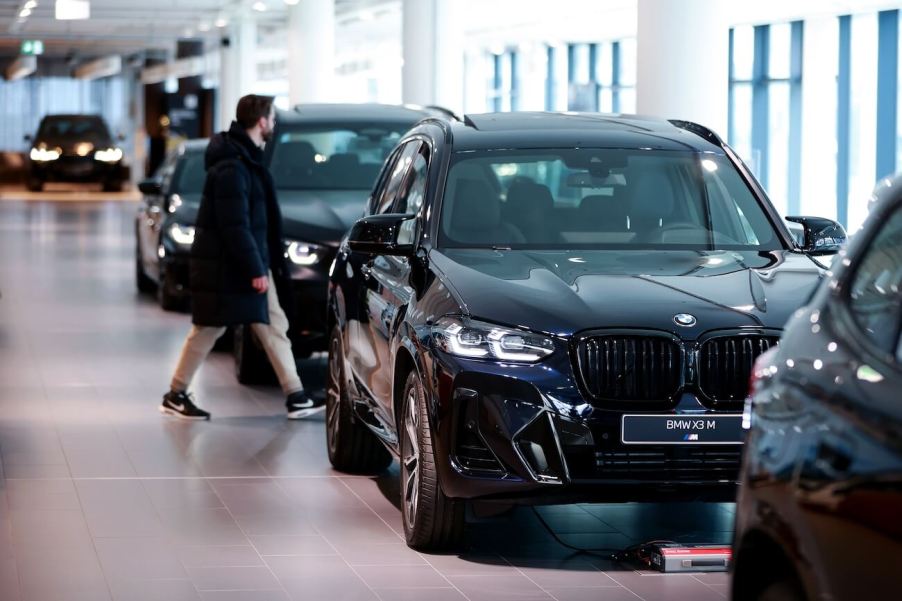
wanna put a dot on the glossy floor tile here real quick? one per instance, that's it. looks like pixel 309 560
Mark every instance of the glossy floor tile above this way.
pixel 102 498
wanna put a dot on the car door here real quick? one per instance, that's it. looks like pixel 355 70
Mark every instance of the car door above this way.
pixel 850 478
pixel 369 357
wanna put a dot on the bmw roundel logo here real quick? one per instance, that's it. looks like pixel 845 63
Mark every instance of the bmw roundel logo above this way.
pixel 684 319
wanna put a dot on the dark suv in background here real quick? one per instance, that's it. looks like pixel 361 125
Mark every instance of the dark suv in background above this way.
pixel 545 306
pixel 324 159
pixel 75 148
pixel 819 514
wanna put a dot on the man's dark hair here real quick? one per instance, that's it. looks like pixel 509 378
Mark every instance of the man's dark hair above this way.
pixel 251 108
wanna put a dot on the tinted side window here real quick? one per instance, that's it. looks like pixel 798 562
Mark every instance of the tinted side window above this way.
pixel 411 194
pixel 875 293
pixel 395 178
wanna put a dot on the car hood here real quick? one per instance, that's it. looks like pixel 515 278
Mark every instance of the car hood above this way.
pixel 562 292
pixel 321 216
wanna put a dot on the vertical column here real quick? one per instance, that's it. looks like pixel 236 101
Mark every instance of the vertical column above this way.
pixel 311 51
pixel 432 47
pixel 843 118
pixel 795 118
pixel 238 66
pixel 887 89
pixel 761 103
pixel 682 61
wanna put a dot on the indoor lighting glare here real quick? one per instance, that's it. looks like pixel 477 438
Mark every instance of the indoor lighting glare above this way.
pixel 292 2
pixel 25 12
pixel 203 26
pixel 31 4
pixel 221 22
pixel 259 7
pixel 709 165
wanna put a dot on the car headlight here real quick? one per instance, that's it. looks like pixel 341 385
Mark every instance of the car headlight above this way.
pixel 465 337
pixel 109 155
pixel 302 253
pixel 44 155
pixel 182 234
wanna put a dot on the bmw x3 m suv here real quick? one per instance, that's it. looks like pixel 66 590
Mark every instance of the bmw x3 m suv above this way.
pixel 164 224
pixel 543 307
pixel 818 512
pixel 324 159
pixel 75 148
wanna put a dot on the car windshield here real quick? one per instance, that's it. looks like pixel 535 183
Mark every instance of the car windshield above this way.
pixel 336 157
pixel 191 173
pixel 601 199
pixel 80 129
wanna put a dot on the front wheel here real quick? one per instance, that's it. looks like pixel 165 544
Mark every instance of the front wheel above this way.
pixel 432 521
pixel 351 446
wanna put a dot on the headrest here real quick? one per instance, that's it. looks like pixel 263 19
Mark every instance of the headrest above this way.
pixel 530 197
pixel 651 196
pixel 476 206
pixel 343 160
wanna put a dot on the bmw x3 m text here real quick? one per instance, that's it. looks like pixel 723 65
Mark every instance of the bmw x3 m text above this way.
pixel 547 306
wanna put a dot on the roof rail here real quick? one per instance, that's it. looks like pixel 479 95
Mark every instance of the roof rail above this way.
pixel 699 130
pixel 444 111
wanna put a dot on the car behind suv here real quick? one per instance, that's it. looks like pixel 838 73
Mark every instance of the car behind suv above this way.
pixel 545 306
pixel 75 148
pixel 818 514
pixel 324 159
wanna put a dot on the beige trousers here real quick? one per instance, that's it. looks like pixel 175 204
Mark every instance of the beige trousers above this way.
pixel 272 336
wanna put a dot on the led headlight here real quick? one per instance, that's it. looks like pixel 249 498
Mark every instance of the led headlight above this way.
pixel 44 155
pixel 465 337
pixel 182 234
pixel 109 155
pixel 302 253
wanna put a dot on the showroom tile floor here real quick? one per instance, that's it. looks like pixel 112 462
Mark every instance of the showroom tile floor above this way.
pixel 101 498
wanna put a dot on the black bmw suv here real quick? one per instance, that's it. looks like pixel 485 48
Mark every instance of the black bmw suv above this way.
pixel 75 148
pixel 818 513
pixel 556 306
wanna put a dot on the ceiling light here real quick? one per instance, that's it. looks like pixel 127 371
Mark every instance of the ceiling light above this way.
pixel 31 4
pixel 24 12
pixel 292 2
pixel 188 32
pixel 203 26
pixel 259 6
pixel 221 22
pixel 72 10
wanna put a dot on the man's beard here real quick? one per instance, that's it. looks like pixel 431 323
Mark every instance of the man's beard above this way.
pixel 266 134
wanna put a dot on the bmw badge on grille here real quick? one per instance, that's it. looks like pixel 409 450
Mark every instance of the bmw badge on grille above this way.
pixel 684 319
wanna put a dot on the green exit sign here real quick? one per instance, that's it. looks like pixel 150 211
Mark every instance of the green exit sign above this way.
pixel 32 47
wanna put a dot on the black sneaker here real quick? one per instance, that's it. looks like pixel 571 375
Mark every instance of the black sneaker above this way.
pixel 299 405
pixel 181 405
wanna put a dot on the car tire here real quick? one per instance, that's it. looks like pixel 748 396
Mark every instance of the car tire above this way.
pixel 168 300
pixel 112 186
pixel 251 363
pixel 145 284
pixel 432 521
pixel 34 184
pixel 782 590
pixel 351 446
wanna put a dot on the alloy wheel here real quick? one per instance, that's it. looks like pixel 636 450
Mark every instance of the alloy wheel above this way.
pixel 411 459
pixel 333 395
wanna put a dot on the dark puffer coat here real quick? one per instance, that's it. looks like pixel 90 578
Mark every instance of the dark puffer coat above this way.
pixel 238 234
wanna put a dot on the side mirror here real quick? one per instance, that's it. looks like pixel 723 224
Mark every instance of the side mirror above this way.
pixel 151 187
pixel 820 236
pixel 378 235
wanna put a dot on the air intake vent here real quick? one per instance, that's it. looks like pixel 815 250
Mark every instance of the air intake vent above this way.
pixel 725 365
pixel 629 368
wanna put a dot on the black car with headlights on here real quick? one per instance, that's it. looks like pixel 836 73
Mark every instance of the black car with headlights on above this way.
pixel 75 148
pixel 324 159
pixel 543 307
pixel 818 513
pixel 164 224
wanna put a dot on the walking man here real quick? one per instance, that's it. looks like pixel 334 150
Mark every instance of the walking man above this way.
pixel 236 254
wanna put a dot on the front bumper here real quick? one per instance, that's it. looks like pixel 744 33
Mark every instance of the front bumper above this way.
pixel 526 434
pixel 78 169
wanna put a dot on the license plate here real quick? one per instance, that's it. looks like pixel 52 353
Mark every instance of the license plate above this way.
pixel 681 429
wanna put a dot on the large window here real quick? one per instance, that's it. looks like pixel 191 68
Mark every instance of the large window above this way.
pixel 765 106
